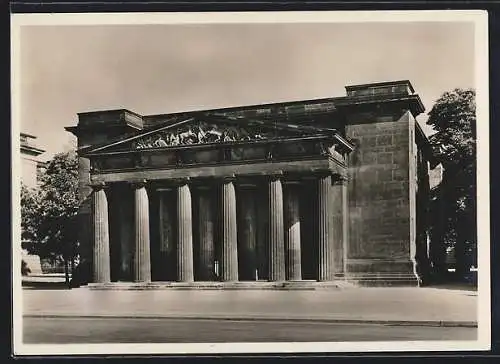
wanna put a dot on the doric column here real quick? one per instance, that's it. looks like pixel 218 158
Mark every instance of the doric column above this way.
pixel 247 229
pixel 206 239
pixel 292 231
pixel 340 223
pixel 142 255
pixel 102 272
pixel 185 272
pixel 229 232
pixel 85 218
pixel 324 261
pixel 276 233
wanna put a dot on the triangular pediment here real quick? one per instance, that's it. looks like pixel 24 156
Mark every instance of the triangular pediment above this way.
pixel 210 129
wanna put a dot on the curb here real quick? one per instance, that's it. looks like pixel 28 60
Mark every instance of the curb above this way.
pixel 427 323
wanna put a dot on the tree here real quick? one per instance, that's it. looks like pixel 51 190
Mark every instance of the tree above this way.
pixel 30 218
pixel 453 116
pixel 48 216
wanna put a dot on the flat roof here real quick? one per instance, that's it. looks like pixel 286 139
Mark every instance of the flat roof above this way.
pixel 109 111
pixel 28 135
pixel 380 84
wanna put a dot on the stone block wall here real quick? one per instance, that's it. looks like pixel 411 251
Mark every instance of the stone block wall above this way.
pixel 381 199
pixel 29 171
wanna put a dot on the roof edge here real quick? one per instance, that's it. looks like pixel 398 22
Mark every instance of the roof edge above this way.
pixel 380 84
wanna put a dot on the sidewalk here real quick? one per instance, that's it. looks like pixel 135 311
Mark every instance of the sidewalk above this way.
pixel 394 306
pixel 49 281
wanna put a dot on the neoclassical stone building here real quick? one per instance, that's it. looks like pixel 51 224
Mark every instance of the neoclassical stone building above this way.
pixel 30 162
pixel 30 165
pixel 318 190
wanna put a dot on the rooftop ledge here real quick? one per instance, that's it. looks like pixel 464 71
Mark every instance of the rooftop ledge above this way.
pixel 379 92
pixel 403 86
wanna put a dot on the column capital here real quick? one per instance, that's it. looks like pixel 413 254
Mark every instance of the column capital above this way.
pixel 273 176
pixel 179 181
pixel 322 172
pixel 97 186
pixel 136 184
pixel 228 178
pixel 339 179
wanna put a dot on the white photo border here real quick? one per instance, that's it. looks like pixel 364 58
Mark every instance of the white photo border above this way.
pixel 480 20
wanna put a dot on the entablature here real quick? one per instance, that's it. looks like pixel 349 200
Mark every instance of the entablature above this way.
pixel 242 172
pixel 237 153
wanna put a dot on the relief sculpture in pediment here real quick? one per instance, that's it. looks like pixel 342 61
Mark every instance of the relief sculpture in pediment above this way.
pixel 202 133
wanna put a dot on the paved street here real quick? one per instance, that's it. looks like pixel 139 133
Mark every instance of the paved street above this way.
pixel 165 330
pixel 176 316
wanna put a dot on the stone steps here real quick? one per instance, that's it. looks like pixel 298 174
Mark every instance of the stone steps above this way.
pixel 288 285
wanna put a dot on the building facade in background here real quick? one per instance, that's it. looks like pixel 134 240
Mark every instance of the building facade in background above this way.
pixel 30 160
pixel 319 190
pixel 30 168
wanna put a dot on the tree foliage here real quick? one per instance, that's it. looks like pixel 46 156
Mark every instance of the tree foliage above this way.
pixel 48 214
pixel 30 219
pixel 453 116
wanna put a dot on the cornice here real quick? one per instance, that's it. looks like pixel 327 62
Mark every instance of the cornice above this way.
pixel 31 150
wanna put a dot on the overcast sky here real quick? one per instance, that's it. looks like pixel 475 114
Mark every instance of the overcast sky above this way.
pixel 168 68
